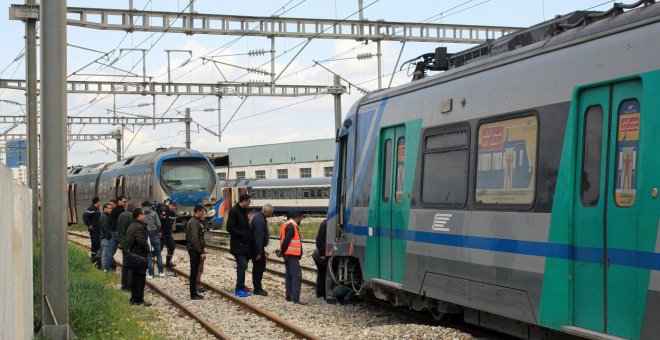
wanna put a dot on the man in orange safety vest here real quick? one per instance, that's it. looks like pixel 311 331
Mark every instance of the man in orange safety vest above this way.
pixel 291 249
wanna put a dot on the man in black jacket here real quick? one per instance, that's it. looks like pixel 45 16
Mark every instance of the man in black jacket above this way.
pixel 319 259
pixel 91 218
pixel 240 240
pixel 168 224
pixel 259 226
pixel 195 239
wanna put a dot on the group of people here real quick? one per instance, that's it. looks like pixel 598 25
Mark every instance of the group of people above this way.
pixel 131 226
pixel 145 230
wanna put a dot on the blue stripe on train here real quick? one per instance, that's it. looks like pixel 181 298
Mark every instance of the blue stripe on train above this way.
pixel 623 257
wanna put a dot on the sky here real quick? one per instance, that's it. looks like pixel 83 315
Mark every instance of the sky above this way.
pixel 255 120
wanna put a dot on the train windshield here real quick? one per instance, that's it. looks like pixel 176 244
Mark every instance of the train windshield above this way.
pixel 190 174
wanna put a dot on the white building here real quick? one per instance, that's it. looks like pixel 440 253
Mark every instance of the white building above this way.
pixel 20 174
pixel 303 159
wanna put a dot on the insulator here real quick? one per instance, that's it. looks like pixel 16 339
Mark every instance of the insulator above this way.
pixel 144 104
pixel 185 62
pixel 257 52
pixel 258 71
pixel 19 57
pixel 362 56
pixel 208 109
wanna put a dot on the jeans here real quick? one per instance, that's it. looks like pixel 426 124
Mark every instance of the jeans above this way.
pixel 292 279
pixel 155 244
pixel 241 267
pixel 110 250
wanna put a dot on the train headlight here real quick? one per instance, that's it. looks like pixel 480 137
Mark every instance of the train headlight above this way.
pixel 210 213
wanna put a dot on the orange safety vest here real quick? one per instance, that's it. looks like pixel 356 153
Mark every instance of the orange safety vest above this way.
pixel 295 247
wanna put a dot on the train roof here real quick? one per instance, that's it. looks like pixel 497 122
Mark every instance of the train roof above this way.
pixel 284 182
pixel 151 157
pixel 568 29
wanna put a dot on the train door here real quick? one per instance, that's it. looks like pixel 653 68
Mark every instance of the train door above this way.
pixel 390 208
pixel 118 187
pixel 71 211
pixel 608 286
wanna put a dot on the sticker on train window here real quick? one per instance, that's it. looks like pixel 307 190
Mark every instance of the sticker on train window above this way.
pixel 506 165
pixel 627 147
pixel 400 158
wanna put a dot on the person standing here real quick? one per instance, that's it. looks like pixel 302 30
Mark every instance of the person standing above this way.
pixel 112 222
pixel 195 245
pixel 155 232
pixel 106 236
pixel 168 222
pixel 136 242
pixel 240 241
pixel 123 222
pixel 91 218
pixel 260 234
pixel 291 249
pixel 319 259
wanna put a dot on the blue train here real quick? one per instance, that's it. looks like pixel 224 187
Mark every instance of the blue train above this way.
pixel 519 188
pixel 183 175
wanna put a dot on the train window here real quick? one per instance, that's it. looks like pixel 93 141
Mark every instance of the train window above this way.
pixel 319 193
pixel 281 193
pixel 287 193
pixel 387 171
pixel 400 157
pixel 445 165
pixel 305 193
pixel 300 193
pixel 627 150
pixel 269 193
pixel 326 192
pixel 591 156
pixel 506 166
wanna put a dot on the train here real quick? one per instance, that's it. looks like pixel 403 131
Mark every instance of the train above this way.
pixel 518 188
pixel 307 195
pixel 180 174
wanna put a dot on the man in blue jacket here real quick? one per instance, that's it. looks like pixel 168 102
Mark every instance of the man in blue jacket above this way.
pixel 260 234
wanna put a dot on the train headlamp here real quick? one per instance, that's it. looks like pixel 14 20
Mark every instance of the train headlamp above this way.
pixel 210 213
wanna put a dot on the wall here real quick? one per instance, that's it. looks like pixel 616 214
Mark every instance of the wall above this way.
pixel 15 258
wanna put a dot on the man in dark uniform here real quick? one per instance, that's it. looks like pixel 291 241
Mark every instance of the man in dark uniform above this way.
pixel 91 217
pixel 319 259
pixel 168 222
pixel 195 238
pixel 259 226
pixel 240 241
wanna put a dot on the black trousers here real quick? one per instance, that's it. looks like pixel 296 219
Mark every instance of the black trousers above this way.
pixel 137 286
pixel 195 259
pixel 95 236
pixel 168 240
pixel 126 274
pixel 258 268
pixel 321 269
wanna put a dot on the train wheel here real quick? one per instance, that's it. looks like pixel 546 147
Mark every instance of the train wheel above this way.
pixel 438 315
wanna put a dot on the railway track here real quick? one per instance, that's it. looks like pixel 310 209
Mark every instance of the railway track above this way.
pixel 269 270
pixel 281 323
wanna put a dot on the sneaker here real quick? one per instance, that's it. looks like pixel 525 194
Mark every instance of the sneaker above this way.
pixel 149 277
pixel 260 292
pixel 197 297
pixel 161 275
pixel 242 293
pixel 105 270
pixel 298 302
pixel 247 289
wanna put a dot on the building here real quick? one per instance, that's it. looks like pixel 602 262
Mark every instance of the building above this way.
pixel 303 159
pixel 16 153
pixel 20 174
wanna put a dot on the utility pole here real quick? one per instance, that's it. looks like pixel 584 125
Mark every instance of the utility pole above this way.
pixel 118 137
pixel 337 90
pixel 54 254
pixel 32 128
pixel 188 121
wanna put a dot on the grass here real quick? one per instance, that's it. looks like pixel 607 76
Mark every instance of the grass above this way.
pixel 307 230
pixel 97 309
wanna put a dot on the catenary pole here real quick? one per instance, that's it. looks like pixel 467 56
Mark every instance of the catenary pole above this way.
pixel 54 254
pixel 32 128
pixel 337 96
pixel 188 120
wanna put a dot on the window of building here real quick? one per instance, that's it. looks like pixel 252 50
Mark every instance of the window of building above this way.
pixel 445 165
pixel 327 171
pixel 506 166
pixel 305 172
pixel 260 174
pixel 282 173
pixel 222 176
pixel 240 175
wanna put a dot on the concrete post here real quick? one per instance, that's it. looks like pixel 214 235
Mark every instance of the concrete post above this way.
pixel 32 127
pixel 54 254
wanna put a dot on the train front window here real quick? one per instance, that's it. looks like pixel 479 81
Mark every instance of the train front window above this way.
pixel 180 175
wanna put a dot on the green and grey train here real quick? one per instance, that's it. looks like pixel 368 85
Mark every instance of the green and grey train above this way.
pixel 518 188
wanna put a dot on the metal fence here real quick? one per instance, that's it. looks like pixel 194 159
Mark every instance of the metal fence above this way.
pixel 15 258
